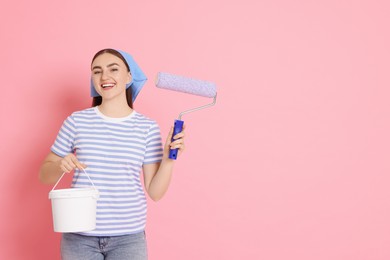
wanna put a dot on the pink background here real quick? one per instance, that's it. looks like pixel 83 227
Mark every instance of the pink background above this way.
pixel 292 162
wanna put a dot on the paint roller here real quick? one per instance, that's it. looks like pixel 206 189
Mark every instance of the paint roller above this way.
pixel 186 85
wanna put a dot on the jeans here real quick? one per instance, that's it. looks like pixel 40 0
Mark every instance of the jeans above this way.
pixel 79 247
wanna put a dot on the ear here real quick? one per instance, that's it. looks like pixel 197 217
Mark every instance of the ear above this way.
pixel 129 78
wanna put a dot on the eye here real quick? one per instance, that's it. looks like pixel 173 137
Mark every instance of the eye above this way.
pixel 114 69
pixel 96 72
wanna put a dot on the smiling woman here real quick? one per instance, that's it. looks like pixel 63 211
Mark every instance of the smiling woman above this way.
pixel 116 143
pixel 97 99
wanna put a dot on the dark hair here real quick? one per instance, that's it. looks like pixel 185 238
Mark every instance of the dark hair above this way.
pixel 129 96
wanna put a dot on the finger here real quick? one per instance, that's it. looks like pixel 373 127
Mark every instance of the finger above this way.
pixel 79 165
pixel 75 163
pixel 71 164
pixel 70 160
pixel 179 135
pixel 63 169
pixel 66 167
pixel 177 141
pixel 176 144
pixel 181 147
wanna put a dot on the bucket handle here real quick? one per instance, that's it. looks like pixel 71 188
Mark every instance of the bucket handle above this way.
pixel 55 185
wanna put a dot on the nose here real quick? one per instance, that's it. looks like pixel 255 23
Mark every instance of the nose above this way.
pixel 104 75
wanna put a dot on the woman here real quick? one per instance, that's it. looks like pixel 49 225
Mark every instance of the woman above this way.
pixel 115 142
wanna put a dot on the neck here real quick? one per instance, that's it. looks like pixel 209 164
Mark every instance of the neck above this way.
pixel 115 108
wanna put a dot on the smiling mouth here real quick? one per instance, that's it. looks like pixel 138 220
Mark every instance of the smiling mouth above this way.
pixel 109 85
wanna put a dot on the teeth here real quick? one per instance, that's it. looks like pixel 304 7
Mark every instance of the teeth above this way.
pixel 107 85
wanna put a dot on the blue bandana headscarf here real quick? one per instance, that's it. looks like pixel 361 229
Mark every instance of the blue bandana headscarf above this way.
pixel 138 77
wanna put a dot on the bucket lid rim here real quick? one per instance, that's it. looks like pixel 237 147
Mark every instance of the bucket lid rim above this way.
pixel 74 189
pixel 73 192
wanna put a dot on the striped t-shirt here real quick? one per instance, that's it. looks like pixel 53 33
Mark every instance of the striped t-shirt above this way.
pixel 114 150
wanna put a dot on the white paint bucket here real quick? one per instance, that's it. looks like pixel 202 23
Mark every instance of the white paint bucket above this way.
pixel 74 209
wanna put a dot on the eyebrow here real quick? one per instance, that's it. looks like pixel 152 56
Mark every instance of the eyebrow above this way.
pixel 109 65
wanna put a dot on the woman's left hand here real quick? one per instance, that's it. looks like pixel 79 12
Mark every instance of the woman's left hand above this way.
pixel 178 142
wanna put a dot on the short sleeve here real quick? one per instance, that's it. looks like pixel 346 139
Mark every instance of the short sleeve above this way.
pixel 154 151
pixel 64 143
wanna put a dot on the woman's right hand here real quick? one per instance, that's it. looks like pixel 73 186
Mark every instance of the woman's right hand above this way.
pixel 70 162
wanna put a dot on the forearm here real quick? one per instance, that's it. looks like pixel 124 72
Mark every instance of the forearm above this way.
pixel 161 180
pixel 157 177
pixel 50 172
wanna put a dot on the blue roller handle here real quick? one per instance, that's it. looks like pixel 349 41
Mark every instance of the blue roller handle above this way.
pixel 177 128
